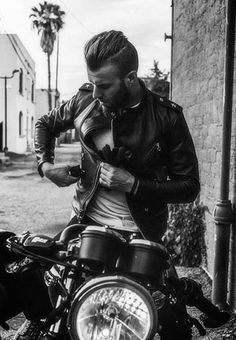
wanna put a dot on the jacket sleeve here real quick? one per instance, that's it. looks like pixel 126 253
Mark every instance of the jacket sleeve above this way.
pixel 49 126
pixel 183 184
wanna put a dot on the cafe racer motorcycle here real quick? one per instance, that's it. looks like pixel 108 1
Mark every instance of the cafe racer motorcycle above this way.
pixel 105 287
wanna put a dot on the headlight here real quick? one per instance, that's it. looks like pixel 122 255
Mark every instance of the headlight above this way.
pixel 112 307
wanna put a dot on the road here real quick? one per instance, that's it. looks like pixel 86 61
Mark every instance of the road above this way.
pixel 29 202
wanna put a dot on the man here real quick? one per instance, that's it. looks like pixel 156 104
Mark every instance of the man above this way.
pixel 137 152
pixel 132 141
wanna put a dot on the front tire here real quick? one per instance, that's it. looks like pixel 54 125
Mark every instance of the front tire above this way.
pixel 174 323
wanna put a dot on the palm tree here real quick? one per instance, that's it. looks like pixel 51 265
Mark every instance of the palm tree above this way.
pixel 48 20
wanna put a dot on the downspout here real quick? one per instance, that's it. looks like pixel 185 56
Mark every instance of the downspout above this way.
pixel 172 49
pixel 232 267
pixel 223 214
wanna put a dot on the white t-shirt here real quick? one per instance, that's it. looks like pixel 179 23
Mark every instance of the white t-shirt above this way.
pixel 109 207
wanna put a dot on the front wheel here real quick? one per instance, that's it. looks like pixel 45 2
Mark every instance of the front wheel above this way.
pixel 174 323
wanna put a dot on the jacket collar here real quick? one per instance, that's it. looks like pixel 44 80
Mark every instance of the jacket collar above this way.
pixel 128 111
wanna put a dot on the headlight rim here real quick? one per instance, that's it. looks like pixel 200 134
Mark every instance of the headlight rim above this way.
pixel 105 281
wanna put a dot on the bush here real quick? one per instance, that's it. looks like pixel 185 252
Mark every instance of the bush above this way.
pixel 184 238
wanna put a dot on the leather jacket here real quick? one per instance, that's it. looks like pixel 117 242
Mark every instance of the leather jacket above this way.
pixel 161 153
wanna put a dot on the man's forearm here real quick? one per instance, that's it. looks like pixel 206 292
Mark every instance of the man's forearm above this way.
pixel 182 190
pixel 46 166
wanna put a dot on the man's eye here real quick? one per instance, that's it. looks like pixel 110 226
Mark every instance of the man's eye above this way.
pixel 103 87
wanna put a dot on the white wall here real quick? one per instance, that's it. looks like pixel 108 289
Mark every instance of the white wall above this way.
pixel 13 55
pixel 41 100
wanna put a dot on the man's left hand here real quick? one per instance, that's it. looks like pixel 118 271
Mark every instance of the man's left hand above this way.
pixel 116 178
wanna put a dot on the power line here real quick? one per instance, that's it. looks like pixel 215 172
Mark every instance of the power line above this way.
pixel 72 14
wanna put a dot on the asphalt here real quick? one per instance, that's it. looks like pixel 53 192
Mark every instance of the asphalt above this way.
pixel 26 164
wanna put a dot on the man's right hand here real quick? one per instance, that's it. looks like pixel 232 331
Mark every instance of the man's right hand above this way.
pixel 59 175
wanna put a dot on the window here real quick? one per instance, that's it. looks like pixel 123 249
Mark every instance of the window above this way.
pixel 21 82
pixel 32 127
pixel 32 91
pixel 20 123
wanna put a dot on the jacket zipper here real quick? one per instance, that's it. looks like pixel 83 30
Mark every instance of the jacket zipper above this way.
pixel 140 231
pixel 81 211
pixel 149 153
pixel 112 134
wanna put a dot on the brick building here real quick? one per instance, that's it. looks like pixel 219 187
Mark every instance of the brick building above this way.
pixel 197 84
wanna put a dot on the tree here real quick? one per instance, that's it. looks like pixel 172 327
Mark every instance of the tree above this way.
pixel 157 73
pixel 48 20
pixel 157 81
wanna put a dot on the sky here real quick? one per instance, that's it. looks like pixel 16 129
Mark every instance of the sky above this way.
pixel 144 22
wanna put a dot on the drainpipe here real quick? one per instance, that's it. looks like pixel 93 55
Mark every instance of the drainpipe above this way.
pixel 223 215
pixel 232 271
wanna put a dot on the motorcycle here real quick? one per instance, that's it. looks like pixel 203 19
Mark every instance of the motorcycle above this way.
pixel 104 286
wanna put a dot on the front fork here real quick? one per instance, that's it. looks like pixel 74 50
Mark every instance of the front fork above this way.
pixel 66 288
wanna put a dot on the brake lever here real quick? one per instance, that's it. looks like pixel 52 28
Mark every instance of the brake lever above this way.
pixel 22 266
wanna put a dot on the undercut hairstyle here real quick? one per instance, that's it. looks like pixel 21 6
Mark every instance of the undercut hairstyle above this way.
pixel 111 47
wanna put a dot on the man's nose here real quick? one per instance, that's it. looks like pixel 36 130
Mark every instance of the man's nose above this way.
pixel 96 93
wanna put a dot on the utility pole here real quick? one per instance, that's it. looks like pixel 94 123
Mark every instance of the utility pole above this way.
pixel 5 96
pixel 57 61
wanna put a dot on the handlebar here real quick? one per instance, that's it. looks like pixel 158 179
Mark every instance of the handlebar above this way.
pixel 39 248
pixel 38 244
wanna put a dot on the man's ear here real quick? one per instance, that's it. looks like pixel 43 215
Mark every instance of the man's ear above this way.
pixel 131 78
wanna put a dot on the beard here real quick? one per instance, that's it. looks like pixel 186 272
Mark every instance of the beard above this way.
pixel 120 99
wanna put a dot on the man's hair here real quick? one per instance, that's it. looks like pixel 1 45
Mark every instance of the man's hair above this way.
pixel 111 47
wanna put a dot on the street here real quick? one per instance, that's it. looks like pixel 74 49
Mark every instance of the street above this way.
pixel 29 202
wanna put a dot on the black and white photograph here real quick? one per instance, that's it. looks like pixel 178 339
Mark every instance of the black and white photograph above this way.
pixel 117 170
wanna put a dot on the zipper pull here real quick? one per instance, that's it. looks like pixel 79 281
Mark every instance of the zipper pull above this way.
pixel 80 216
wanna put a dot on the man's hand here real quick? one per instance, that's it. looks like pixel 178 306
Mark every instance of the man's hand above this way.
pixel 116 178
pixel 58 175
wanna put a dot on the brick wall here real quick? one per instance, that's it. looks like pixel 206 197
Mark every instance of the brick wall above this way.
pixel 197 85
